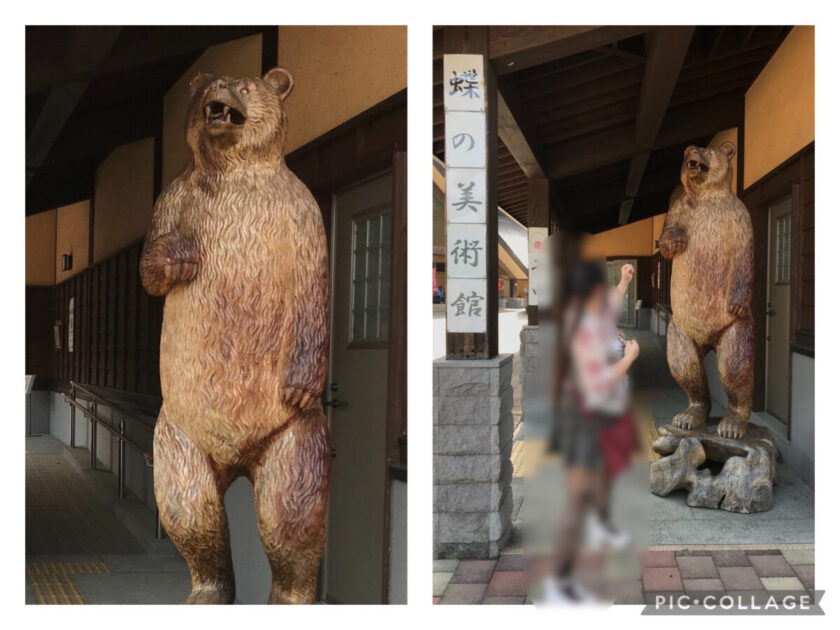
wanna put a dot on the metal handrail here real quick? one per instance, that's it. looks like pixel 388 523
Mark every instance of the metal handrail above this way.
pixel 119 433
pixel 108 403
pixel 91 413
pixel 664 310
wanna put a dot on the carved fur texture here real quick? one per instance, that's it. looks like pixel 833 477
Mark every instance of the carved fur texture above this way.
pixel 237 246
pixel 709 235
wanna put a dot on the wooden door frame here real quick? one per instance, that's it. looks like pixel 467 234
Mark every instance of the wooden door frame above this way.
pixel 793 284
pixel 786 179
pixel 396 406
pixel 369 144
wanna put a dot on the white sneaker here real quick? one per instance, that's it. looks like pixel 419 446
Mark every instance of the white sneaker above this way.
pixel 566 591
pixel 601 535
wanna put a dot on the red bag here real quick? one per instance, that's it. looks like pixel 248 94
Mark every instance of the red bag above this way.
pixel 618 442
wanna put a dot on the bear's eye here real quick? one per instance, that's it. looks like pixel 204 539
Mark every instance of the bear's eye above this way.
pixel 243 90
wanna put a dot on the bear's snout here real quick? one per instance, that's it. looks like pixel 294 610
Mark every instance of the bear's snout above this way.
pixel 224 106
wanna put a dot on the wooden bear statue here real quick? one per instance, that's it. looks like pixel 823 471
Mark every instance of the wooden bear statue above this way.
pixel 709 235
pixel 237 245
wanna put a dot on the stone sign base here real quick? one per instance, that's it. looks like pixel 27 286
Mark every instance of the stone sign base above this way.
pixel 719 473
pixel 473 437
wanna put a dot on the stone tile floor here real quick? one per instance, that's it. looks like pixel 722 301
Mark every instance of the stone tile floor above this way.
pixel 78 551
pixel 63 515
pixel 693 550
pixel 694 571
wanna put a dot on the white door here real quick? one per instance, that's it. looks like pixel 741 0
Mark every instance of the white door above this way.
pixel 356 392
pixel 778 309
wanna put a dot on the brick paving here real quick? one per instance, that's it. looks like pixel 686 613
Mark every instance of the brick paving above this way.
pixel 695 571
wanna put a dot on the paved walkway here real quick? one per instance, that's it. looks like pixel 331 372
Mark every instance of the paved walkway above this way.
pixel 695 571
pixel 691 550
pixel 77 550
pixel 672 522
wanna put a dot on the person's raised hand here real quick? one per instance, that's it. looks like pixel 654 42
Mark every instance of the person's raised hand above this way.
pixel 631 350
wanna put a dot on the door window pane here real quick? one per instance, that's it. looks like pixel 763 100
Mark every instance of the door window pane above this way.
pixel 371 268
pixel 783 249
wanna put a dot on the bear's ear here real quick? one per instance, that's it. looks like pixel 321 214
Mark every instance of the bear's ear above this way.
pixel 728 149
pixel 198 80
pixel 281 79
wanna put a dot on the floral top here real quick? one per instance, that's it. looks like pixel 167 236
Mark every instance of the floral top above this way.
pixel 596 347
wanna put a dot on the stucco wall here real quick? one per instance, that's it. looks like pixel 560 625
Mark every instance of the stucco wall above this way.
pixel 123 198
pixel 633 239
pixel 40 249
pixel 658 224
pixel 779 114
pixel 729 135
pixel 340 71
pixel 240 57
pixel 72 236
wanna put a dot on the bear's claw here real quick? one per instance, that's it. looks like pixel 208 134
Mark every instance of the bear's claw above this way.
pixel 692 418
pixel 732 427
pixel 296 397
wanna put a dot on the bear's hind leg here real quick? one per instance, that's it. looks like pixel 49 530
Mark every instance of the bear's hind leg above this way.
pixel 686 363
pixel 291 484
pixel 736 355
pixel 190 500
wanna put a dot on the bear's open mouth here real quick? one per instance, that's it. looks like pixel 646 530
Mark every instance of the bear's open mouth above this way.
pixel 216 111
pixel 697 166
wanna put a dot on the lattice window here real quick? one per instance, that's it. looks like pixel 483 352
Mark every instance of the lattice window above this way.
pixel 783 249
pixel 371 278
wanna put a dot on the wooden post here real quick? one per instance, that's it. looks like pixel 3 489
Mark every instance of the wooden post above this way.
pixel 538 209
pixel 484 343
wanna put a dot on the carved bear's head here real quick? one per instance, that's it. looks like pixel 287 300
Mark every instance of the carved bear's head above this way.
pixel 238 118
pixel 707 168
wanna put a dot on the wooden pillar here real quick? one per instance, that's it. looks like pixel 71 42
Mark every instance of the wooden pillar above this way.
pixel 538 211
pixel 474 40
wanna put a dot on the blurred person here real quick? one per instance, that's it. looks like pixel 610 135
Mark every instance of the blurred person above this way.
pixel 595 428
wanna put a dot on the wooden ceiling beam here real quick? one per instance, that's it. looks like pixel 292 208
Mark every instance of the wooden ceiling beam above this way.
pixel 62 100
pixel 588 122
pixel 656 180
pixel 669 45
pixel 569 82
pixel 139 45
pixel 517 132
pixel 611 51
pixel 624 211
pixel 596 91
pixel 513 48
pixel 99 131
pixel 638 164
pixel 666 55
pixel 682 124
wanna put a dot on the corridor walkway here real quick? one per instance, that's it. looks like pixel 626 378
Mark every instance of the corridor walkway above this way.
pixel 689 550
pixel 77 550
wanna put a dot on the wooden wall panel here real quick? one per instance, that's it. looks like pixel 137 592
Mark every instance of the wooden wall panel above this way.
pixel 116 328
pixel 661 295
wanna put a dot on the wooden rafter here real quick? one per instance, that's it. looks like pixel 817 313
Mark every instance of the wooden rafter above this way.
pixel 62 99
pixel 681 124
pixel 519 138
pixel 668 48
